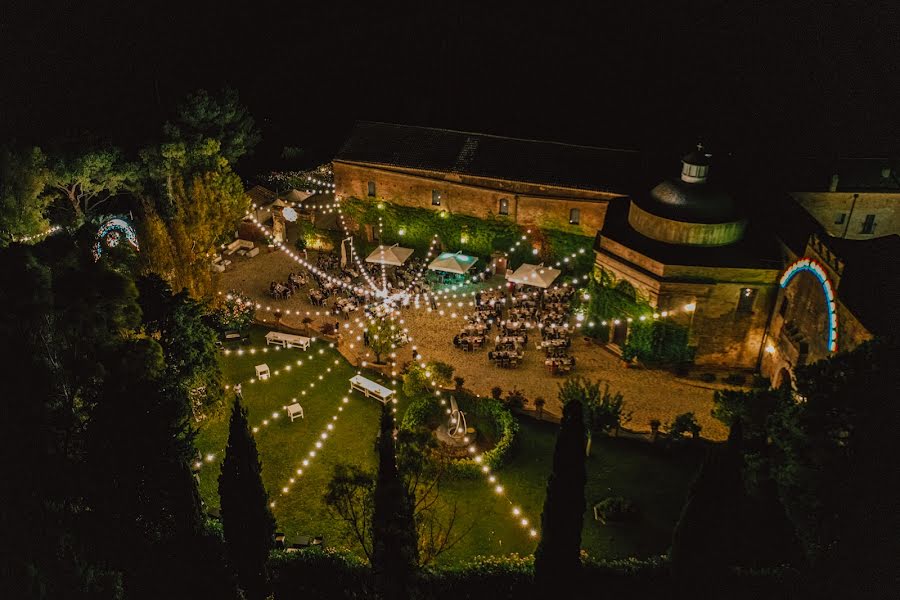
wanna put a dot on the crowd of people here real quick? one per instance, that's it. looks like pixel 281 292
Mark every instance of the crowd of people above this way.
pixel 514 314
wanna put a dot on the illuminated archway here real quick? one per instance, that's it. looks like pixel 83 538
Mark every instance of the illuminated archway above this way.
pixel 814 267
pixel 111 233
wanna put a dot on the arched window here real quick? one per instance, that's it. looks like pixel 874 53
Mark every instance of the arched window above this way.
pixel 575 216
pixel 371 188
pixel 504 206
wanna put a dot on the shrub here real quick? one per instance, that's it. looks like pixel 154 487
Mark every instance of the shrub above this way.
pixel 319 573
pixel 496 392
pixel 707 377
pixel 617 509
pixel 735 379
pixel 441 372
pixel 236 312
pixel 515 399
pixel 426 412
pixel 506 428
pixel 459 381
pixel 421 412
pixel 682 424
pixel 328 328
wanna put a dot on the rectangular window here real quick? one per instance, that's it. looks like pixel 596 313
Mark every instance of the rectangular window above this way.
pixel 504 206
pixel 435 198
pixel 371 189
pixel 869 224
pixel 575 216
pixel 746 300
pixel 839 219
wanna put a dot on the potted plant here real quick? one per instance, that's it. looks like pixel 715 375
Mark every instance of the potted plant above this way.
pixel 539 407
pixel 654 429
pixel 306 322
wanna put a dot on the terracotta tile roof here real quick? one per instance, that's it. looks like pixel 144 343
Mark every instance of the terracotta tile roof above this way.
pixel 548 163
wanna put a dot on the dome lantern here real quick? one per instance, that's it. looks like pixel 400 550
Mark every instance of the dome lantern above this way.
pixel 695 166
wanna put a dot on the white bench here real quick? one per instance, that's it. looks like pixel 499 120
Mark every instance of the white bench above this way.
pixel 262 371
pixel 252 252
pixel 295 411
pixel 370 388
pixel 237 245
pixel 287 340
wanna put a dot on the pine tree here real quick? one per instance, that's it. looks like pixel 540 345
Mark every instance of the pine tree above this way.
pixel 394 538
pixel 557 560
pixel 247 522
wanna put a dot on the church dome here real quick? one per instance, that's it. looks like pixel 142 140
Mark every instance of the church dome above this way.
pixel 688 211
pixel 691 202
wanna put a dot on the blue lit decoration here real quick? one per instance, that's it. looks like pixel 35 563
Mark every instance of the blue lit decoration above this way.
pixel 111 233
pixel 814 267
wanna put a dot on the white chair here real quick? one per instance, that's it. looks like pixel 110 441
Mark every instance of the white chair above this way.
pixel 262 371
pixel 294 411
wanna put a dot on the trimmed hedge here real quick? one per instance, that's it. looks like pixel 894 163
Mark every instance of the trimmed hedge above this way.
pixel 319 573
pixel 316 573
pixel 426 412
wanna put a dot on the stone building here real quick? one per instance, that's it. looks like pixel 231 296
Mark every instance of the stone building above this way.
pixel 687 248
pixel 529 182
pixel 730 276
pixel 846 295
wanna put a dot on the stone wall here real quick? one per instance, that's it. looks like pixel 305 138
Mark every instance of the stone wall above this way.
pixel 528 204
pixel 723 336
pixel 805 313
pixel 826 208
pixel 681 232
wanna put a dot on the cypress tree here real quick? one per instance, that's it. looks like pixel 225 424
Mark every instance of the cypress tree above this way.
pixel 557 561
pixel 394 538
pixel 247 522
pixel 704 543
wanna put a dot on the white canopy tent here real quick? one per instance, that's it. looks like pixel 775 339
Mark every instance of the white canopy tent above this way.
pixel 389 255
pixel 457 263
pixel 536 275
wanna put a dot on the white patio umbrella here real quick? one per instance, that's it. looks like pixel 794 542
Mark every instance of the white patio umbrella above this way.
pixel 536 275
pixel 389 255
pixel 457 263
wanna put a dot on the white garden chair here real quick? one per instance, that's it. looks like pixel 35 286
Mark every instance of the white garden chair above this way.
pixel 295 411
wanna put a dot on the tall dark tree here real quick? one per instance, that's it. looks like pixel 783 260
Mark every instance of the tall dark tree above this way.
pixel 247 521
pixel 394 537
pixel 705 538
pixel 23 202
pixel 139 447
pixel 836 451
pixel 40 557
pixel 179 323
pixel 557 559
pixel 222 118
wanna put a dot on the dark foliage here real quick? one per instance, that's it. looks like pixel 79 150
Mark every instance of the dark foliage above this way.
pixel 247 521
pixel 557 555
pixel 394 538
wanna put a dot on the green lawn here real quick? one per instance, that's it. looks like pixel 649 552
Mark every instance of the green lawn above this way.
pixel 617 467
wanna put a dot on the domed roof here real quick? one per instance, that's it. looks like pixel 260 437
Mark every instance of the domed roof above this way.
pixel 696 157
pixel 690 202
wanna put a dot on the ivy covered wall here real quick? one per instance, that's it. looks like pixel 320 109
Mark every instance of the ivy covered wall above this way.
pixel 471 235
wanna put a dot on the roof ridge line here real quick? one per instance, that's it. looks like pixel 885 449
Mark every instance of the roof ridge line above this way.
pixel 501 137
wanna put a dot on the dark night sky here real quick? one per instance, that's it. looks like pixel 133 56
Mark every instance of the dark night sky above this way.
pixel 807 77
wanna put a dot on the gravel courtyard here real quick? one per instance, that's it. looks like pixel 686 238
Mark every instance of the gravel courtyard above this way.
pixel 648 394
